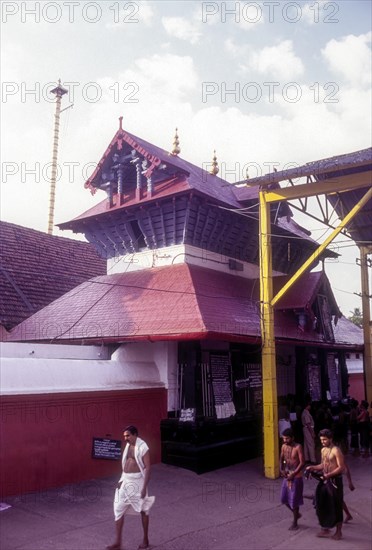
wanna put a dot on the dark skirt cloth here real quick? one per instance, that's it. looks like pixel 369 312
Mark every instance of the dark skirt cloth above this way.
pixel 291 493
pixel 354 439
pixel 363 428
pixel 328 502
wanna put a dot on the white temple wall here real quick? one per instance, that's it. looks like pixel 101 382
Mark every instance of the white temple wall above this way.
pixel 179 254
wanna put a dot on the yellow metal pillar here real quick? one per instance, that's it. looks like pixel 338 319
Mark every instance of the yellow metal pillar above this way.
pixel 270 406
pixel 367 356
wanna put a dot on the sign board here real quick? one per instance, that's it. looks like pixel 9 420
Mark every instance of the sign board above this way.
pixel 221 383
pixel 188 415
pixel 255 375
pixel 220 370
pixel 108 449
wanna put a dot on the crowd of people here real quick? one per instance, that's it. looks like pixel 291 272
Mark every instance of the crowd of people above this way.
pixel 348 420
pixel 338 428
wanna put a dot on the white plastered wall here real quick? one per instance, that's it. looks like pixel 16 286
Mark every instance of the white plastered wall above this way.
pixel 49 368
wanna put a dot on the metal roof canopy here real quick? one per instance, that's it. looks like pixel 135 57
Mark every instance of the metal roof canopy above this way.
pixel 340 179
pixel 347 175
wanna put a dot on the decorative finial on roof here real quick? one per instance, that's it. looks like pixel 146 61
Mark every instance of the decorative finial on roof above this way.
pixel 176 145
pixel 214 170
pixel 246 174
pixel 120 122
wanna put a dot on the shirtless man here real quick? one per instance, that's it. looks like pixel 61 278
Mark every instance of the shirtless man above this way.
pixel 131 493
pixel 291 464
pixel 329 498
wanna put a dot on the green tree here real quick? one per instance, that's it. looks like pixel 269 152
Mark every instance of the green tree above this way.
pixel 356 317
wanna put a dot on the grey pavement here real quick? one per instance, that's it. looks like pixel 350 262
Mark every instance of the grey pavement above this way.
pixel 232 508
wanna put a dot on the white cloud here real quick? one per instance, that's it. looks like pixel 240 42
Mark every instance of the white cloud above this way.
pixel 239 15
pixel 320 12
pixel 350 57
pixel 131 13
pixel 234 49
pixel 276 61
pixel 181 28
pixel 145 13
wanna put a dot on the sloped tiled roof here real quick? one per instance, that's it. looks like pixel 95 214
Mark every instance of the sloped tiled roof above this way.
pixel 37 268
pixel 190 177
pixel 347 332
pixel 173 302
pixel 304 291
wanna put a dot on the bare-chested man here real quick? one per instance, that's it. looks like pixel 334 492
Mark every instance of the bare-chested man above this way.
pixel 329 492
pixel 131 493
pixel 291 464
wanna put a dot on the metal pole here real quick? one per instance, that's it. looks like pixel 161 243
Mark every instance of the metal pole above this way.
pixel 367 356
pixel 59 91
pixel 269 387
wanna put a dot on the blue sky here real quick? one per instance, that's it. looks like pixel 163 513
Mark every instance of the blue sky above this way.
pixel 260 82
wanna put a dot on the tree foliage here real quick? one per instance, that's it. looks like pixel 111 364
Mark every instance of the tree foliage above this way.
pixel 356 317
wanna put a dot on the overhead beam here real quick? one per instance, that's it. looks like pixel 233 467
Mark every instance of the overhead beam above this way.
pixel 324 166
pixel 323 246
pixel 329 186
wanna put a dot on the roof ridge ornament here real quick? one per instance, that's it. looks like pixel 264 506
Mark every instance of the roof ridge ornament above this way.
pixel 214 170
pixel 120 122
pixel 176 145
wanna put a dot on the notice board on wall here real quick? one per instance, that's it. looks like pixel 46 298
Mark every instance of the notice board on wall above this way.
pixel 108 449
pixel 221 383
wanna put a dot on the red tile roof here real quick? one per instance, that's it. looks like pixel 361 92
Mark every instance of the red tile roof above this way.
pixel 304 291
pixel 174 302
pixel 37 268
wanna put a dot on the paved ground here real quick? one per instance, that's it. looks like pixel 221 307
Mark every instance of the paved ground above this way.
pixel 233 508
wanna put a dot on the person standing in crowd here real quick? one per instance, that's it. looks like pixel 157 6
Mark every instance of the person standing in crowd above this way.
pixel 131 493
pixel 363 428
pixel 291 465
pixel 309 434
pixel 353 422
pixel 329 495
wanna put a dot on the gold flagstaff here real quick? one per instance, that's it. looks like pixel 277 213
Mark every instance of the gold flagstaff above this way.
pixel 59 91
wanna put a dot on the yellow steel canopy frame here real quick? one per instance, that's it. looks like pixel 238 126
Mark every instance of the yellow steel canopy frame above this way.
pixel 270 408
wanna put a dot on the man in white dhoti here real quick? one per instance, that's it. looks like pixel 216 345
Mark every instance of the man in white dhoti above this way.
pixel 131 493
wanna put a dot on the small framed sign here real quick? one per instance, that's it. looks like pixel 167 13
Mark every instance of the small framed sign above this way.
pixel 108 449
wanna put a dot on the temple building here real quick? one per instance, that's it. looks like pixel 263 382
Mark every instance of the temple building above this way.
pixel 176 317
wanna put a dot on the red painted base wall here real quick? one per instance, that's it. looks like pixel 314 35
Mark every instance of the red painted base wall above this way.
pixel 46 440
pixel 357 386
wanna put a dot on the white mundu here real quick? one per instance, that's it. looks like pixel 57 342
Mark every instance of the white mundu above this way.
pixel 128 496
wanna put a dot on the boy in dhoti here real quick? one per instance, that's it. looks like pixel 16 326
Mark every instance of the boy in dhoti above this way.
pixel 329 493
pixel 131 493
pixel 291 464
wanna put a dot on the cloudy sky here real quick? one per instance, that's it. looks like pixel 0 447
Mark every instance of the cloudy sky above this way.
pixel 264 83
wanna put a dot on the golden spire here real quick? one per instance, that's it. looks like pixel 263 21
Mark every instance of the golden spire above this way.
pixel 246 174
pixel 214 170
pixel 176 145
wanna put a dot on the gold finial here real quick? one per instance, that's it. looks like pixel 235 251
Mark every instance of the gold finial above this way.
pixel 120 122
pixel 176 145
pixel 214 170
pixel 246 174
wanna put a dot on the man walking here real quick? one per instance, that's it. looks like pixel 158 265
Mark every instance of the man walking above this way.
pixel 291 465
pixel 131 493
pixel 329 492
